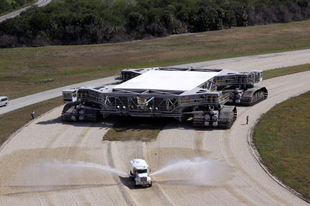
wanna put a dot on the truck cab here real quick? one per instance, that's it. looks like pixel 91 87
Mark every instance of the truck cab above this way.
pixel 140 172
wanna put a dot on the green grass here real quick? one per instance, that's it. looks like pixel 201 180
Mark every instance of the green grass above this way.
pixel 286 71
pixel 135 129
pixel 24 71
pixel 282 138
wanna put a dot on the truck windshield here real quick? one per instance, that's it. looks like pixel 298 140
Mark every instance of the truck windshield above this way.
pixel 141 171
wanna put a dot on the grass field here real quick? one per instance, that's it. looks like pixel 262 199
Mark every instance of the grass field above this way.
pixel 285 71
pixel 25 71
pixel 282 138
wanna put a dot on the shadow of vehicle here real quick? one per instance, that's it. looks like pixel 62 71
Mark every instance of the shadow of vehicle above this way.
pixel 128 182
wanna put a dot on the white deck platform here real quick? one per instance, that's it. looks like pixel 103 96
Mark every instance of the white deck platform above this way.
pixel 168 80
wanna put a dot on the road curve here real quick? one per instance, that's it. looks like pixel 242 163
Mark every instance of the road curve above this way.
pixel 245 182
pixel 247 63
pixel 16 13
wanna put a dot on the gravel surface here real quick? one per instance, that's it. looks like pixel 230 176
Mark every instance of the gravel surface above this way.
pixel 47 139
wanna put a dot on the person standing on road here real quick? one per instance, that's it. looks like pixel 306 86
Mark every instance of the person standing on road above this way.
pixel 247 119
pixel 32 114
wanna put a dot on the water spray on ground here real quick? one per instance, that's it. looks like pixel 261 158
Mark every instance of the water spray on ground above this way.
pixel 55 172
pixel 196 171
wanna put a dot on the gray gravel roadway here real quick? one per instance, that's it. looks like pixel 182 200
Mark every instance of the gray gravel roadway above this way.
pixel 16 13
pixel 243 183
pixel 248 63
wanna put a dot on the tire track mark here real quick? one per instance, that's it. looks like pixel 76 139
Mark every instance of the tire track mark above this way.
pixel 78 139
pixel 160 192
pixel 280 88
pixel 126 196
pixel 36 159
pixel 229 157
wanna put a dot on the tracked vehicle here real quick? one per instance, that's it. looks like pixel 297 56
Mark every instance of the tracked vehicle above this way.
pixel 200 95
pixel 241 87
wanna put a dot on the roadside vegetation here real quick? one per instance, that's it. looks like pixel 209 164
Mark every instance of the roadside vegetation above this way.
pixel 25 71
pixel 73 22
pixel 7 6
pixel 285 71
pixel 282 138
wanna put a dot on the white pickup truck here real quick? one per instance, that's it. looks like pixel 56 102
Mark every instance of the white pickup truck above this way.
pixel 140 172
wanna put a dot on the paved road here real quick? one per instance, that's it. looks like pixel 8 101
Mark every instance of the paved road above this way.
pixel 248 63
pixel 16 13
pixel 39 97
pixel 237 180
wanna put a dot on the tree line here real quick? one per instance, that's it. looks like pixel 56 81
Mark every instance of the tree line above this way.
pixel 71 22
pixel 12 5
